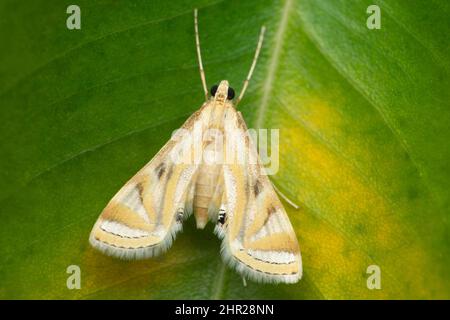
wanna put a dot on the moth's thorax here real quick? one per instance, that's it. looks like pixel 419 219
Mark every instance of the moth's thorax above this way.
pixel 217 115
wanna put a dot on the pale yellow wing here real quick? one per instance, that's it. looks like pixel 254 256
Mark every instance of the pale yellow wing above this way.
pixel 258 238
pixel 142 219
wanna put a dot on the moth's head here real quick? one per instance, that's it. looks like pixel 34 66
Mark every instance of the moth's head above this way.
pixel 222 91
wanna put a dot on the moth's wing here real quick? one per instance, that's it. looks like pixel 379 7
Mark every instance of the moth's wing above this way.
pixel 258 238
pixel 142 219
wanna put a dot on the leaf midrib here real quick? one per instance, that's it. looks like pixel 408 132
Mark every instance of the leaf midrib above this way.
pixel 273 64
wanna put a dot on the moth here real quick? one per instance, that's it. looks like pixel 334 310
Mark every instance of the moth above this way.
pixel 224 182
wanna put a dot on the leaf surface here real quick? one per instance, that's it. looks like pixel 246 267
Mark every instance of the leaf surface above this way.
pixel 363 118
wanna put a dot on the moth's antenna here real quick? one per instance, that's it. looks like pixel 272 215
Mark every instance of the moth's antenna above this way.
pixel 200 64
pixel 255 58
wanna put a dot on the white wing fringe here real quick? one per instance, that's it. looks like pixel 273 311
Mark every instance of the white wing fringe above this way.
pixel 138 253
pixel 249 273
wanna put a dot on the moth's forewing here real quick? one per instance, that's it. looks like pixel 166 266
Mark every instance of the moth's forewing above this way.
pixel 258 238
pixel 142 219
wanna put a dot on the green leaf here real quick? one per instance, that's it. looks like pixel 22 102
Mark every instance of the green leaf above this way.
pixel 363 118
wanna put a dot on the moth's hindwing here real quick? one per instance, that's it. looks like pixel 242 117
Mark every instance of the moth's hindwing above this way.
pixel 258 238
pixel 142 219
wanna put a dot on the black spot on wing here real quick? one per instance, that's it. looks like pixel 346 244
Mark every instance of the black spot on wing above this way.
pixel 257 188
pixel 271 210
pixel 160 169
pixel 140 187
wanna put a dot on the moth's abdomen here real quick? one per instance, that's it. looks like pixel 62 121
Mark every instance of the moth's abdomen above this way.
pixel 204 190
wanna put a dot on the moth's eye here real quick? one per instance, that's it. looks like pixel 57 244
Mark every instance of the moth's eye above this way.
pixel 230 93
pixel 214 89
